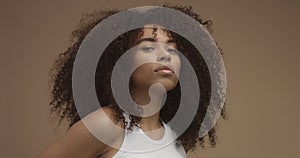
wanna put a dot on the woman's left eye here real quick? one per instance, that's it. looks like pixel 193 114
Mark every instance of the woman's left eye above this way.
pixel 172 50
pixel 148 49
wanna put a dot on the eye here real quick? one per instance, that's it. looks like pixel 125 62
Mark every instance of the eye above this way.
pixel 147 48
pixel 172 50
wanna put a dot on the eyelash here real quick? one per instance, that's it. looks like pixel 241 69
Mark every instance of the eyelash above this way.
pixel 172 50
pixel 149 49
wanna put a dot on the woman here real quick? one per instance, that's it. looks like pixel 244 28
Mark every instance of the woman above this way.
pixel 160 49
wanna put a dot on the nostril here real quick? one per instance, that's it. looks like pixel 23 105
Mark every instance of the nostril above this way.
pixel 165 58
pixel 162 58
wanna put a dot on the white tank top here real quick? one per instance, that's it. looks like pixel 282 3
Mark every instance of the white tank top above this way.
pixel 137 144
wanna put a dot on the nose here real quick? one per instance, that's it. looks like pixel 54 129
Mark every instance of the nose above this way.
pixel 164 57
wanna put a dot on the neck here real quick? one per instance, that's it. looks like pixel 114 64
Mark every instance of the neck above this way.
pixel 142 97
pixel 153 98
pixel 150 123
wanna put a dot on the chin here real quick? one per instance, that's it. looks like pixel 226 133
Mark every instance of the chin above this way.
pixel 169 85
pixel 170 88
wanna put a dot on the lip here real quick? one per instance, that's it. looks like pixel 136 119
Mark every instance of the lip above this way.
pixel 165 67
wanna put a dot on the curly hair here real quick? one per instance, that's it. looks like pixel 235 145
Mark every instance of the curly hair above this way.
pixel 62 102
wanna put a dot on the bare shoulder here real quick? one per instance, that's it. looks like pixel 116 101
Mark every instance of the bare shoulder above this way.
pixel 111 114
pixel 104 117
pixel 88 137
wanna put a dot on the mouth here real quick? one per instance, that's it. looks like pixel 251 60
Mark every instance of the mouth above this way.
pixel 165 69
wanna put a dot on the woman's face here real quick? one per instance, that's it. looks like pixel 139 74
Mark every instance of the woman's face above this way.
pixel 160 57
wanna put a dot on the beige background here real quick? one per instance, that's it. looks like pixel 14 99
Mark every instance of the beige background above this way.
pixel 260 39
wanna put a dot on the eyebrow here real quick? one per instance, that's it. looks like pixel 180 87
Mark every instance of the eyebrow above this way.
pixel 149 39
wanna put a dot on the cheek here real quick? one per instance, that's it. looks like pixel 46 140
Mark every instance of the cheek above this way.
pixel 177 64
pixel 136 76
pixel 142 76
pixel 143 71
pixel 143 58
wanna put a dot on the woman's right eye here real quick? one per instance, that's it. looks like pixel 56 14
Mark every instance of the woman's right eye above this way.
pixel 147 49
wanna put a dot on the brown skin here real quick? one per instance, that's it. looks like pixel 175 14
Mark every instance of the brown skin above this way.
pixel 160 51
pixel 163 51
pixel 63 104
pixel 79 142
